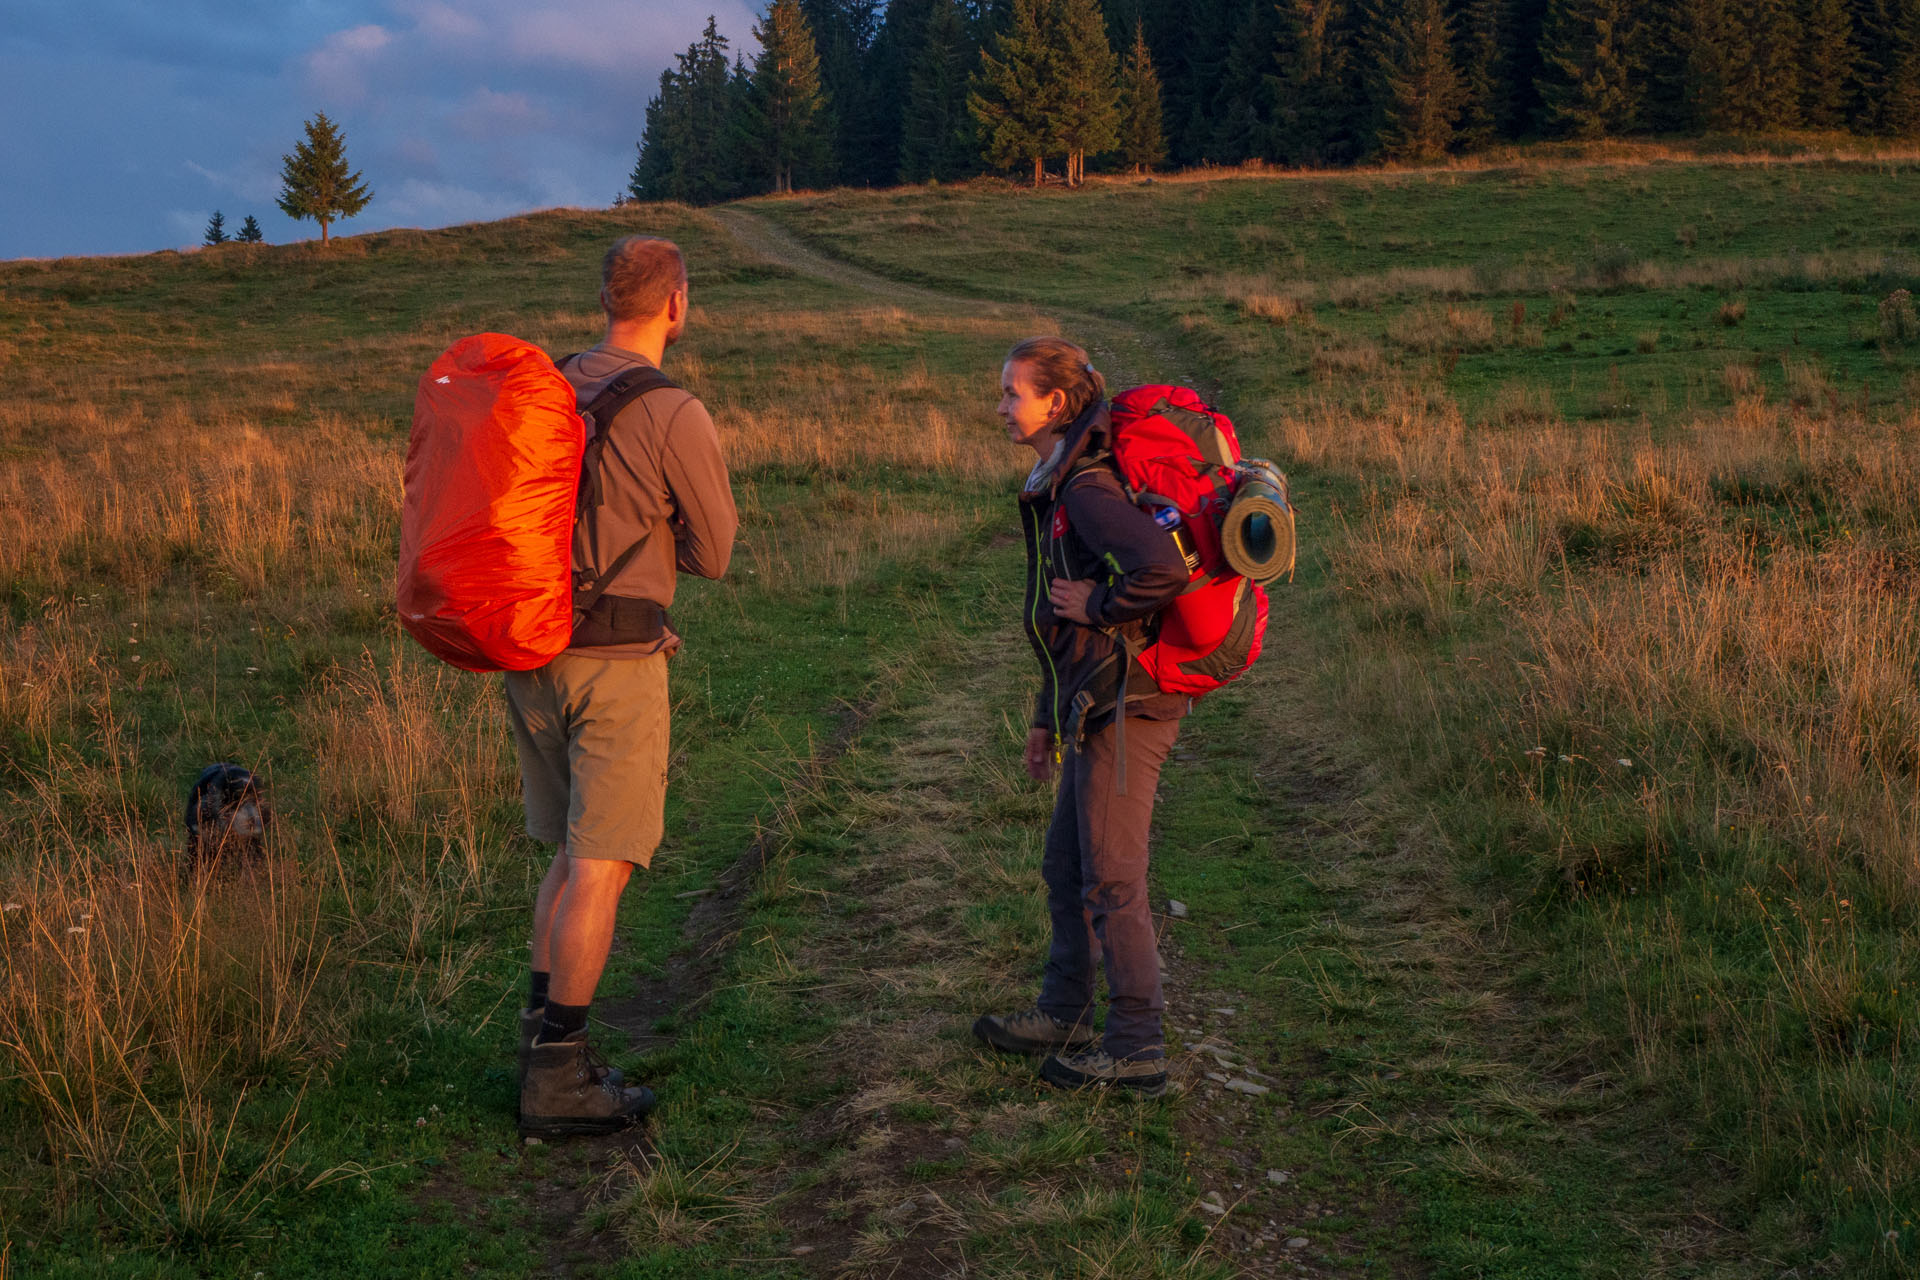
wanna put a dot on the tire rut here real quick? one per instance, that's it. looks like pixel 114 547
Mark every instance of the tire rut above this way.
pixel 1127 353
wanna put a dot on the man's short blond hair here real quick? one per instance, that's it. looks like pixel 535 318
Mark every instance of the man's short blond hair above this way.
pixel 638 275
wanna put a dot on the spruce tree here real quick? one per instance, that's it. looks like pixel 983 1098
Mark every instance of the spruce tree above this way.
pixel 1827 62
pixel 1192 121
pixel 684 153
pixel 1668 103
pixel 315 182
pixel 888 77
pixel 1766 86
pixel 1586 88
pixel 1241 110
pixel 1476 26
pixel 1523 26
pixel 1317 86
pixel 1086 117
pixel 1718 49
pixel 216 229
pixel 1142 143
pixel 1422 84
pixel 843 31
pixel 936 130
pixel 1015 93
pixel 785 105
pixel 250 232
pixel 1899 108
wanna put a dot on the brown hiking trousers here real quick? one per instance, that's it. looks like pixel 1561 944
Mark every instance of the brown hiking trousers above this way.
pixel 1095 866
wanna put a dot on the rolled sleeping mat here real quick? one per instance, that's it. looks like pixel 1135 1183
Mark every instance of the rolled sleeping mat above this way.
pixel 1257 535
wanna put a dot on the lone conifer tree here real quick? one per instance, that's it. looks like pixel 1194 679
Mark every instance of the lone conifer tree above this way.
pixel 217 229
pixel 314 181
pixel 250 232
pixel 785 105
pixel 1143 143
pixel 1016 91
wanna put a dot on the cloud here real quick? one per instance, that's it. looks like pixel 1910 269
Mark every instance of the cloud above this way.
pixel 339 70
pixel 254 184
pixel 126 117
pixel 486 114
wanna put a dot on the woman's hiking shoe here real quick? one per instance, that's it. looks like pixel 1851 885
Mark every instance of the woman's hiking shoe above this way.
pixel 564 1094
pixel 530 1028
pixel 1031 1031
pixel 1093 1069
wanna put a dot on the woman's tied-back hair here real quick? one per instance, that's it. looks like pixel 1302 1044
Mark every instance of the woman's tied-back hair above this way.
pixel 1054 364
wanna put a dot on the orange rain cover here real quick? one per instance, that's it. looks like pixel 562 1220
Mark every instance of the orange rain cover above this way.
pixel 486 531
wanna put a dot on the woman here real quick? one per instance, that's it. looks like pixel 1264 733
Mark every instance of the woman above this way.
pixel 1098 569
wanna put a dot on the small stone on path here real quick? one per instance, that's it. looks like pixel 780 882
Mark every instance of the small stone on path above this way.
pixel 1217 1078
pixel 1278 1176
pixel 533 1142
pixel 1176 909
pixel 802 1250
pixel 1247 1087
pixel 1224 1012
pixel 1298 1242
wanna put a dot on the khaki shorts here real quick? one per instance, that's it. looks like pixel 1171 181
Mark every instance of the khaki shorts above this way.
pixel 592 737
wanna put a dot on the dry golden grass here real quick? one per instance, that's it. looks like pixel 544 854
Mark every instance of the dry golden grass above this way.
pixel 1696 655
pixel 201 523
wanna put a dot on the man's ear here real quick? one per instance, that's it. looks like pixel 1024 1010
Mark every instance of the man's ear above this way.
pixel 605 304
pixel 677 303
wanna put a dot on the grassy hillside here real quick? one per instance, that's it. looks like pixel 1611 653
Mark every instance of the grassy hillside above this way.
pixel 1553 876
pixel 1615 465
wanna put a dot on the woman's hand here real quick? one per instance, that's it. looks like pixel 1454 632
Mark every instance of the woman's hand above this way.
pixel 1069 596
pixel 1040 754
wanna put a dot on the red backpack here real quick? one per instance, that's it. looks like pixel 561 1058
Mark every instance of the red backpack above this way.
pixel 499 463
pixel 1177 455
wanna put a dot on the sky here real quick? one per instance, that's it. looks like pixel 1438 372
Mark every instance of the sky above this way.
pixel 128 122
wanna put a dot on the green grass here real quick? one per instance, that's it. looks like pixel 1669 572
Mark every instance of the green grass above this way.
pixel 1460 1078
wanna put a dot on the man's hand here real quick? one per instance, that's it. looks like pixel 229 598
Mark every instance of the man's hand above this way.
pixel 1040 754
pixel 1069 596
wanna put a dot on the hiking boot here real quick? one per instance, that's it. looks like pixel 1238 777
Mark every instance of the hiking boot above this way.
pixel 563 1094
pixel 530 1028
pixel 1093 1069
pixel 1031 1031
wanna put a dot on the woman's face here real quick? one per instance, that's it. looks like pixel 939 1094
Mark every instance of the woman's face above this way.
pixel 1027 411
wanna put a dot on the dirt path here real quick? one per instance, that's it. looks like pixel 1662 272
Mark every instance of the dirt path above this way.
pixel 1262 1222
pixel 1125 353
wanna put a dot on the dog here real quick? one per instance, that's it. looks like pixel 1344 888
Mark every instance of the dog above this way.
pixel 227 818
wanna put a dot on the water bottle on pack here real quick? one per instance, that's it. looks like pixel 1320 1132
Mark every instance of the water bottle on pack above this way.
pixel 1168 518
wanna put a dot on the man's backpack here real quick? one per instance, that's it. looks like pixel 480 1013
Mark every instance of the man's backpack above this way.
pixel 1179 459
pixel 499 464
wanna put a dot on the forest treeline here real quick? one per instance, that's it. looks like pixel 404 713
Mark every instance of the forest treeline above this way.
pixel 860 93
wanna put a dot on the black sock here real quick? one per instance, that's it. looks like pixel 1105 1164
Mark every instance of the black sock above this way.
pixel 561 1021
pixel 537 989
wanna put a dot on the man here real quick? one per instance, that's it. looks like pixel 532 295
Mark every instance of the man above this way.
pixel 591 726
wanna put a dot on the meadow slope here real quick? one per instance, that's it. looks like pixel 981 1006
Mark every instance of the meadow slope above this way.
pixel 1550 883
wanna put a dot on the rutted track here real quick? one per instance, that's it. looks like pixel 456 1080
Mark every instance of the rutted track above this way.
pixel 1125 352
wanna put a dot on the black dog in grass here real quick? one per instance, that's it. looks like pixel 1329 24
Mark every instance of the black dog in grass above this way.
pixel 227 818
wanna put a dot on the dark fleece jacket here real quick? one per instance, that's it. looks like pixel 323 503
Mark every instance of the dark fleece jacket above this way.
pixel 1080 524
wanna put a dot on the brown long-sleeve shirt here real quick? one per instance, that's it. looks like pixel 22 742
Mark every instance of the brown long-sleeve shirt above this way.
pixel 662 479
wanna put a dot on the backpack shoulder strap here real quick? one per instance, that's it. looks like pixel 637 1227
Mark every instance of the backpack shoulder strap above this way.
pixel 623 391
pixel 1100 460
pixel 605 406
